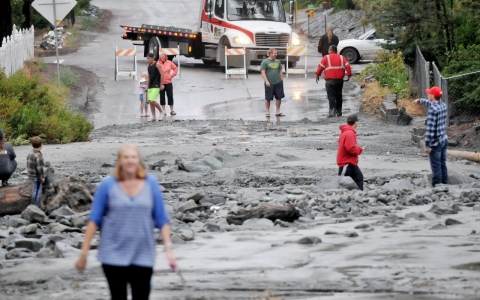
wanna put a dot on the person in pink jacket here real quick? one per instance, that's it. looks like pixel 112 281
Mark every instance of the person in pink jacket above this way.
pixel 170 70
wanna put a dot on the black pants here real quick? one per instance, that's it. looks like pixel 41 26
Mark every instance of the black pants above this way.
pixel 169 91
pixel 138 277
pixel 6 175
pixel 353 172
pixel 334 93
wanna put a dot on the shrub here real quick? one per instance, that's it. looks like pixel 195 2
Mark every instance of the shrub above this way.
pixel 390 72
pixel 30 107
pixel 67 77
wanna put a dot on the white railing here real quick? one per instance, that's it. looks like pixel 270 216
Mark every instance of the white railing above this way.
pixel 16 49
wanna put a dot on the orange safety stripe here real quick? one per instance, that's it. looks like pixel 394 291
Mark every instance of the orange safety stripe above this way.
pixel 171 51
pixel 126 52
pixel 297 51
pixel 235 52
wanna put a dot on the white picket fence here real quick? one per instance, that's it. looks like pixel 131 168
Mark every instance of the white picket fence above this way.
pixel 16 49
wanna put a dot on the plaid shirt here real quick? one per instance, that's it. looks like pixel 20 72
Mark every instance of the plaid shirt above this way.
pixel 437 117
pixel 35 164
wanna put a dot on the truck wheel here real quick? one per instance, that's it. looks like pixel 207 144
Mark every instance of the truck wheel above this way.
pixel 154 46
pixel 351 54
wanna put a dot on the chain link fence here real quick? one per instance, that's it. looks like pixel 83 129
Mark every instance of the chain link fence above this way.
pixel 461 93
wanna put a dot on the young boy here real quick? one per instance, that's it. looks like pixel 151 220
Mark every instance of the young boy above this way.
pixel 36 170
pixel 142 87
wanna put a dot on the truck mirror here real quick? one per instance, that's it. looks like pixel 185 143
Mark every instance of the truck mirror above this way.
pixel 209 9
pixel 291 7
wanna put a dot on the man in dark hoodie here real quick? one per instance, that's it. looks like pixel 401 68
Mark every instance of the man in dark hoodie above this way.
pixel 348 151
pixel 8 165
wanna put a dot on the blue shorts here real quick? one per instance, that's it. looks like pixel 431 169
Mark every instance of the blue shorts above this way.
pixel 274 90
pixel 140 97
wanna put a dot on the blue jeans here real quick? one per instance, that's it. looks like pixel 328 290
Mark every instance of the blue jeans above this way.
pixel 438 163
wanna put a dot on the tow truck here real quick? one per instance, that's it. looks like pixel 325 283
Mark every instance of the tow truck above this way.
pixel 255 25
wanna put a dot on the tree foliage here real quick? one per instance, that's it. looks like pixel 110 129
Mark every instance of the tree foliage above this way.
pixel 437 26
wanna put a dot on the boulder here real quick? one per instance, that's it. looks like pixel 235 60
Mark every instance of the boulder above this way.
pixel 186 234
pixel 444 210
pixel 74 192
pixel 336 182
pixel 29 229
pixel 351 234
pixel 309 240
pixel 204 164
pixel 80 220
pixel 213 227
pixel 455 177
pixel 398 184
pixel 187 205
pixel 34 214
pixel 30 244
pixel 19 253
pixel 450 222
pixel 63 250
pixel 45 253
pixel 272 212
pixel 59 228
pixel 63 211
pixel 17 222
pixel 196 196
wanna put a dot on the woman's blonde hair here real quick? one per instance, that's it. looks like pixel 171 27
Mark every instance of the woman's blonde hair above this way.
pixel 144 75
pixel 141 170
pixel 329 34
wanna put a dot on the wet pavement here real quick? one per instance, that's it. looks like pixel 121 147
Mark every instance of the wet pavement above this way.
pixel 202 92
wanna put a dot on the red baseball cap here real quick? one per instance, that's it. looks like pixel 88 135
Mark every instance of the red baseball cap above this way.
pixel 435 91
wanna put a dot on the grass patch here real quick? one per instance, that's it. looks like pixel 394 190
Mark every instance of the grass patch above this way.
pixel 67 76
pixel 87 23
pixel 30 106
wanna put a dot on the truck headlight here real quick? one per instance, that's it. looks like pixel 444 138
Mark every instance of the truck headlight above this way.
pixel 296 41
pixel 241 40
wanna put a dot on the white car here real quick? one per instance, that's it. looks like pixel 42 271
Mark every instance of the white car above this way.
pixel 365 46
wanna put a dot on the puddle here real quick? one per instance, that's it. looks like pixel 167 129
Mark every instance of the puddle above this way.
pixel 469 267
pixel 462 245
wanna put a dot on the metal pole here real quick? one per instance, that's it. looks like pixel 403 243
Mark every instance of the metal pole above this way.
pixel 308 22
pixel 178 60
pixel 245 61
pixel 226 60
pixel 56 40
pixel 296 14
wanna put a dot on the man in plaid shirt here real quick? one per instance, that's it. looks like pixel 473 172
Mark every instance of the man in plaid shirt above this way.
pixel 436 139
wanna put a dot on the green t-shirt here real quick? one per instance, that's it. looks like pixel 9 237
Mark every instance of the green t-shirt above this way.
pixel 272 70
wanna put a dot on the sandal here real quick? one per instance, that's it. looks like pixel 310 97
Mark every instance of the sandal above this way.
pixel 173 113
pixel 280 115
pixel 267 115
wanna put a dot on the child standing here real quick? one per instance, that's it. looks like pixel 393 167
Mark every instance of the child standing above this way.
pixel 142 87
pixel 36 170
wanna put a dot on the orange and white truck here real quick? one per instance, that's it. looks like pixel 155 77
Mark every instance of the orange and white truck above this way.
pixel 255 25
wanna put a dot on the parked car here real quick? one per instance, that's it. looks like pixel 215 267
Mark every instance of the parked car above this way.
pixel 365 46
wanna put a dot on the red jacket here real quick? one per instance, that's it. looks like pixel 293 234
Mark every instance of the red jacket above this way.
pixel 168 66
pixel 334 66
pixel 348 150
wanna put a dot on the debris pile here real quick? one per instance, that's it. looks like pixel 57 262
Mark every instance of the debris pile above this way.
pixel 48 41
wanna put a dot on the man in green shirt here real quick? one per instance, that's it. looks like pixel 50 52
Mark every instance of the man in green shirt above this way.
pixel 271 69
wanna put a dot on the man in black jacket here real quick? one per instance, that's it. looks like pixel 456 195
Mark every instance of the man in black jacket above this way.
pixel 327 40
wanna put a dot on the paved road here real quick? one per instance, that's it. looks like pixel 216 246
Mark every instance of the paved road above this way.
pixel 202 92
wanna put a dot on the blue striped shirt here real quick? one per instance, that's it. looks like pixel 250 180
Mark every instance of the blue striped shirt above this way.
pixel 437 118
pixel 126 223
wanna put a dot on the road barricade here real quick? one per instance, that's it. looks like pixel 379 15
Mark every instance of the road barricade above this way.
pixel 236 71
pixel 124 53
pixel 172 51
pixel 297 51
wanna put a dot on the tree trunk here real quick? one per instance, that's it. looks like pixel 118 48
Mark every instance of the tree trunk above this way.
pixel 14 199
pixel 271 212
pixel 6 25
pixel 27 12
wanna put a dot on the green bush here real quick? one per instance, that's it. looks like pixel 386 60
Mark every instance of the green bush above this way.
pixel 29 107
pixel 68 77
pixel 390 72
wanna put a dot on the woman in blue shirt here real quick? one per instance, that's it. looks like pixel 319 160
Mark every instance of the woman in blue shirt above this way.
pixel 127 206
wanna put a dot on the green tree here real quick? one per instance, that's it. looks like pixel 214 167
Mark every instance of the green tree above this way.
pixel 5 19
pixel 432 24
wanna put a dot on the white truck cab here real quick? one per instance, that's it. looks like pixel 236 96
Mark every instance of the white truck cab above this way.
pixel 255 25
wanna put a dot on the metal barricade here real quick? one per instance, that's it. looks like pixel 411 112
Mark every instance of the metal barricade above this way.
pixel 296 51
pixel 126 52
pixel 236 71
pixel 172 51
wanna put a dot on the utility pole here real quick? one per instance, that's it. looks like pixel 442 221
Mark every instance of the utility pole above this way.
pixel 56 41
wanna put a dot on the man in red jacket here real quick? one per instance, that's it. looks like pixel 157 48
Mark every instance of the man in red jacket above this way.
pixel 348 151
pixel 335 66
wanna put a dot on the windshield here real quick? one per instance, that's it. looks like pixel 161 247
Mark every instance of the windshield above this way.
pixel 265 10
pixel 363 36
